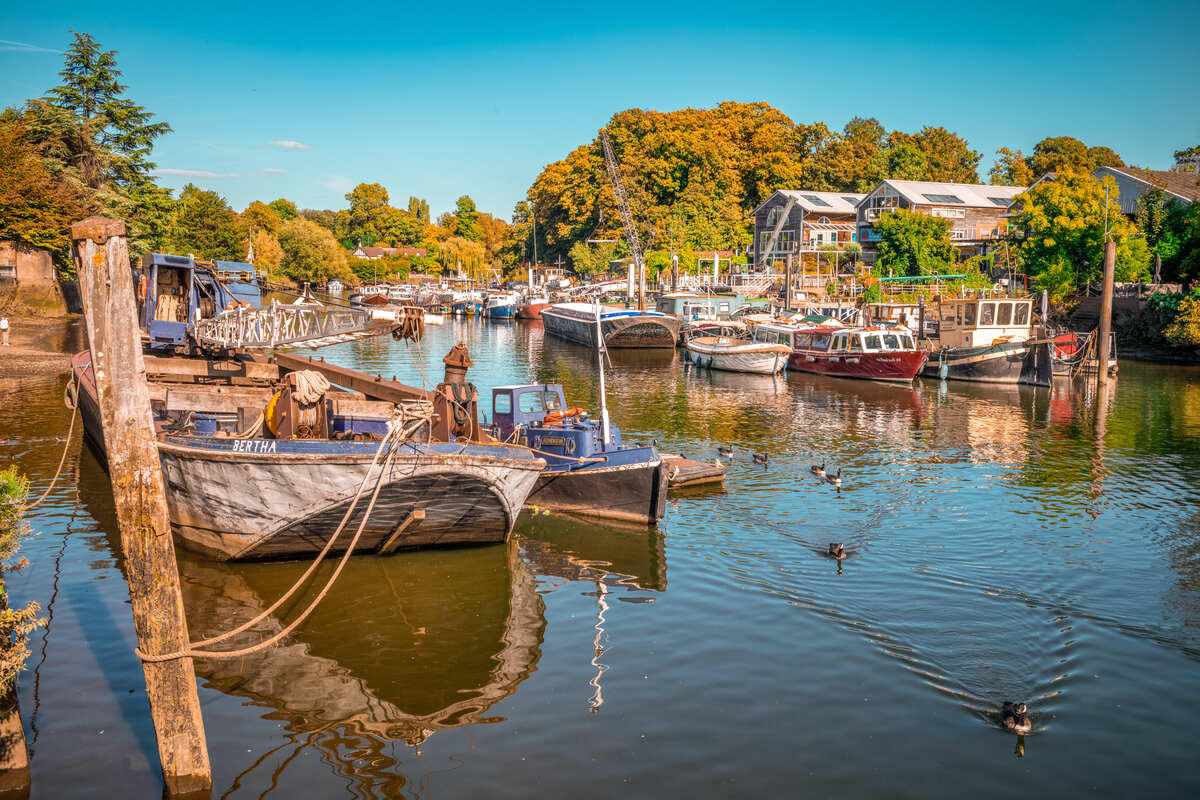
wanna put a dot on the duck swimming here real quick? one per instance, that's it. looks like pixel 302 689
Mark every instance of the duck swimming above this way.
pixel 1016 717
pixel 836 551
pixel 760 458
pixel 725 451
pixel 818 471
pixel 836 480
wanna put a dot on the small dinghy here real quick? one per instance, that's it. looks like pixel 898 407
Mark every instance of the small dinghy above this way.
pixel 738 355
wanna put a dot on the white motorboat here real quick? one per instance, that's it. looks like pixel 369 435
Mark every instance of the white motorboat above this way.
pixel 738 355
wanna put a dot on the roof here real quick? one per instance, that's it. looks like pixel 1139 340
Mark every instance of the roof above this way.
pixel 967 195
pixel 1181 184
pixel 817 202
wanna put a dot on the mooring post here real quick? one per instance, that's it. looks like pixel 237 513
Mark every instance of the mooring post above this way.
pixel 106 287
pixel 787 283
pixel 1106 301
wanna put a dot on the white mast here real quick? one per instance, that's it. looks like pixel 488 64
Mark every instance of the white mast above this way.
pixel 600 358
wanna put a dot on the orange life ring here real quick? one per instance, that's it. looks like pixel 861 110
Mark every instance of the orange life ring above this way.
pixel 557 417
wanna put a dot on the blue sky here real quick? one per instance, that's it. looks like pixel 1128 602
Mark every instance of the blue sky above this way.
pixel 444 100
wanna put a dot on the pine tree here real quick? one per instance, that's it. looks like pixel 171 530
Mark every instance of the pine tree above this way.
pixel 92 90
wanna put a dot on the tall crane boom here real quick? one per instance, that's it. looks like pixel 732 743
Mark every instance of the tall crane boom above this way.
pixel 631 234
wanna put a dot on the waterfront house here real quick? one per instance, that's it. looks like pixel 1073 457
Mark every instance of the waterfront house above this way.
pixel 978 213
pixel 1133 182
pixel 372 253
pixel 811 221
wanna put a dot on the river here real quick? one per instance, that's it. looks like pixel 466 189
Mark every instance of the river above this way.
pixel 1004 544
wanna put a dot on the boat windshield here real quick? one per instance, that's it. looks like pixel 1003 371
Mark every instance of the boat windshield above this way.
pixel 552 403
pixel 891 341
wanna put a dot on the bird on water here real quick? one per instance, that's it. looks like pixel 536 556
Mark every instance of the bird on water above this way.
pixel 1016 717
pixel 836 480
pixel 837 551
pixel 760 458
pixel 818 471
pixel 725 451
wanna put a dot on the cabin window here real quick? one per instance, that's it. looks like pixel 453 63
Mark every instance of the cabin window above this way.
pixel 530 403
pixel 820 341
pixel 502 404
pixel 907 343
pixel 958 313
pixel 723 306
pixel 873 342
pixel 1021 314
pixel 987 314
pixel 856 342
pixel 968 314
pixel 552 402
pixel 891 341
pixel 1004 313
pixel 803 339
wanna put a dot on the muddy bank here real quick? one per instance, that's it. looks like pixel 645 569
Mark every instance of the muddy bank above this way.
pixel 41 345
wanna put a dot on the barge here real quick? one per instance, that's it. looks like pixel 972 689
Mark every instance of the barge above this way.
pixel 622 328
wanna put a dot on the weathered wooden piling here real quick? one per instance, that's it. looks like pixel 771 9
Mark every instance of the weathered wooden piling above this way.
pixel 787 283
pixel 1106 304
pixel 106 287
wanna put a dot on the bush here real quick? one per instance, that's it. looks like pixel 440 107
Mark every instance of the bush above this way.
pixel 15 623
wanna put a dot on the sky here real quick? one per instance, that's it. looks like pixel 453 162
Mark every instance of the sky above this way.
pixel 306 100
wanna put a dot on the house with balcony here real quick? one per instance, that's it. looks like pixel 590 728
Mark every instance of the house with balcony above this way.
pixel 811 221
pixel 978 213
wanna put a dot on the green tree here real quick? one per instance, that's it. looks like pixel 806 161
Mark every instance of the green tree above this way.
pixel 913 244
pixel 92 90
pixel 591 259
pixel 419 208
pixel 1188 159
pixel 203 224
pixel 310 253
pixel 286 209
pixel 1068 155
pixel 467 217
pixel 946 155
pixel 258 216
pixel 1064 227
pixel 1152 219
pixel 458 254
pixel 1010 169
pixel 324 217
pixel 367 202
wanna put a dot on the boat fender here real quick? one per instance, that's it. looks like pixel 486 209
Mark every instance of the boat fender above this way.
pixel 271 415
pixel 570 446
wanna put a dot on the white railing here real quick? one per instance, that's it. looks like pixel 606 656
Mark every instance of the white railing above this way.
pixel 289 326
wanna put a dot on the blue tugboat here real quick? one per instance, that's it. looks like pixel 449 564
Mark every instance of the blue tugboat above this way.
pixel 588 470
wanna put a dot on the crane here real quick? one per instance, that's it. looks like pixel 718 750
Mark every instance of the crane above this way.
pixel 631 234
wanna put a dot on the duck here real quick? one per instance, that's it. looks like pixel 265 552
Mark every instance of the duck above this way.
pixel 725 451
pixel 760 458
pixel 836 551
pixel 836 480
pixel 1016 717
pixel 818 471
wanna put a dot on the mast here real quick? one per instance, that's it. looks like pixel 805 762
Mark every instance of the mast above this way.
pixel 631 234
pixel 600 360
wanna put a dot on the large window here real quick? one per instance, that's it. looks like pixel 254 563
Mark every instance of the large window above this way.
pixel 502 404
pixel 873 342
pixel 987 314
pixel 531 403
pixel 820 341
pixel 1004 313
pixel 1021 315
pixel 891 341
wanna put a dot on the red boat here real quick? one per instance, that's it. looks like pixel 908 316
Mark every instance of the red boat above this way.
pixel 533 309
pixel 873 353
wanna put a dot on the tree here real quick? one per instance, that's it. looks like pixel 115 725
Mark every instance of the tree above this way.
pixel 1067 155
pixel 324 217
pixel 591 259
pixel 203 224
pixel 1010 169
pixel 286 209
pixel 34 207
pixel 458 254
pixel 947 156
pixel 1188 160
pixel 1064 228
pixel 1151 219
pixel 420 209
pixel 496 233
pixel 467 217
pixel 366 200
pixel 92 90
pixel 268 253
pixel 310 253
pixel 914 244
pixel 258 216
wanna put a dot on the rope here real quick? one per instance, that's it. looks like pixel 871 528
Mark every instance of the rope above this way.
pixel 310 386
pixel 191 650
pixel 74 406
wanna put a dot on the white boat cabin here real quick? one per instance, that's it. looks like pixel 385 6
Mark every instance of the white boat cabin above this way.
pixel 982 322
pixel 837 339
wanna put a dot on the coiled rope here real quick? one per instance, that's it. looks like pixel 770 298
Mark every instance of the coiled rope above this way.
pixel 71 401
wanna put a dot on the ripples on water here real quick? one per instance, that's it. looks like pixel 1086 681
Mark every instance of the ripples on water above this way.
pixel 1004 543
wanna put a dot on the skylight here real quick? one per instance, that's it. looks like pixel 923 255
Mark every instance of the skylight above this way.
pixel 816 201
pixel 943 198
pixel 1001 201
pixel 852 201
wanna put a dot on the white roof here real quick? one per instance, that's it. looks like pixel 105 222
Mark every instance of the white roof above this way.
pixel 818 202
pixel 972 195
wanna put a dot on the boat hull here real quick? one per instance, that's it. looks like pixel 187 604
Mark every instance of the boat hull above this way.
pixel 898 366
pixel 627 331
pixel 499 312
pixel 758 359
pixel 532 311
pixel 631 492
pixel 1008 362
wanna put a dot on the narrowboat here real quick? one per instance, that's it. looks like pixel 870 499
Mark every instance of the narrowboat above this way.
pixel 622 328
pixel 991 340
pixel 588 469
pixel 877 354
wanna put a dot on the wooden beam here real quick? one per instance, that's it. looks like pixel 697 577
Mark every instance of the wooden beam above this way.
pixel 376 387
pixel 106 287
pixel 393 541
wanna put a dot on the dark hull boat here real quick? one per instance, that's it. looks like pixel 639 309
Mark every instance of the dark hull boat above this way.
pixel 584 473
pixel 576 322
pixel 1006 362
pixel 990 340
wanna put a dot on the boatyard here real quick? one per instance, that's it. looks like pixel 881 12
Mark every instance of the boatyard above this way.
pixel 566 428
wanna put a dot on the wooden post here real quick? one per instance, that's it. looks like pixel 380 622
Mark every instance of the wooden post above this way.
pixel 1106 300
pixel 106 286
pixel 787 283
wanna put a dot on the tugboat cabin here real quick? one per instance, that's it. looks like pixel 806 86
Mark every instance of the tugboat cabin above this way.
pixel 174 291
pixel 695 305
pixel 536 416
pixel 980 322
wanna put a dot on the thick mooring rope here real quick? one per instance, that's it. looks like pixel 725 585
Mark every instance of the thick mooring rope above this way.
pixel 73 396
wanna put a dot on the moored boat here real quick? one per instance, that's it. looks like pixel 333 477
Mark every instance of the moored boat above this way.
pixel 533 307
pixel 629 328
pixel 876 353
pixel 738 355
pixel 992 341
pixel 500 305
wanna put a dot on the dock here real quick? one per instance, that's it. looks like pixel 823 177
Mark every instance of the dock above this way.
pixel 686 472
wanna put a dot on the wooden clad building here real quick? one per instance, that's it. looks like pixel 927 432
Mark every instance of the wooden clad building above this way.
pixel 978 213
pixel 1133 182
pixel 811 220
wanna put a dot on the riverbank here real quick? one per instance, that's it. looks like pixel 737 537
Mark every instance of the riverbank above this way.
pixel 41 345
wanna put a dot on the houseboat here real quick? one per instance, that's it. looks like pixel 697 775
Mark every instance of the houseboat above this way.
pixel 588 470
pixel 876 353
pixel 500 305
pixel 269 459
pixel 991 340
pixel 699 306
pixel 622 328
pixel 738 355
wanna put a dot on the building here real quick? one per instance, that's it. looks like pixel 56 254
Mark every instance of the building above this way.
pixel 372 253
pixel 25 265
pixel 811 221
pixel 1133 182
pixel 978 213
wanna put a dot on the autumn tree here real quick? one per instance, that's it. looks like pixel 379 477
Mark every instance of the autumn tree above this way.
pixel 92 91
pixel 458 254
pixel 268 254
pixel 913 244
pixel 286 209
pixel 1010 169
pixel 258 216
pixel 419 208
pixel 1068 155
pixel 310 253
pixel 1188 159
pixel 496 233
pixel 203 224
pixel 1064 224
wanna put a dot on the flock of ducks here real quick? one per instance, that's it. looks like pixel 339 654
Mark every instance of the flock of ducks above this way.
pixel 834 479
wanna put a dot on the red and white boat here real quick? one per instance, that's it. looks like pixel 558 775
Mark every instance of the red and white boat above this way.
pixel 871 353
pixel 533 307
